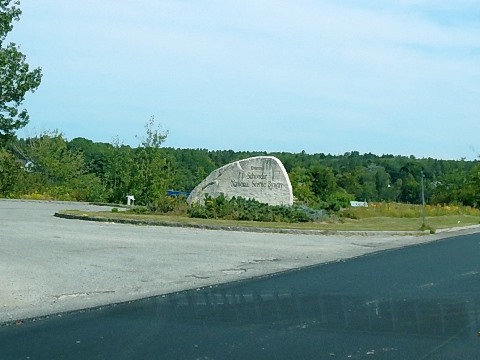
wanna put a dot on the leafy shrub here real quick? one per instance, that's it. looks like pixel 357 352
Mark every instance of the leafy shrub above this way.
pixel 168 204
pixel 312 214
pixel 139 210
pixel 37 196
pixel 162 205
pixel 87 187
pixel 338 200
pixel 425 227
pixel 10 173
pixel 238 208
pixel 60 192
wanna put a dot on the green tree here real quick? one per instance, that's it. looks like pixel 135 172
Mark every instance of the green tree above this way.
pixel 469 194
pixel 410 190
pixel 152 170
pixel 119 171
pixel 368 183
pixel 383 185
pixel 350 181
pixel 96 155
pixel 449 187
pixel 11 173
pixel 323 181
pixel 53 159
pixel 302 185
pixel 16 78
pixel 60 172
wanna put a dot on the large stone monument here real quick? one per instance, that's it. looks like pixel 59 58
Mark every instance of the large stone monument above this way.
pixel 262 178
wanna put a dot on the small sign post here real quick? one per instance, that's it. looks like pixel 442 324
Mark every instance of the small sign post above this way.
pixel 130 200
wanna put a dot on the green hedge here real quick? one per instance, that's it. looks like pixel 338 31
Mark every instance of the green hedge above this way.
pixel 238 208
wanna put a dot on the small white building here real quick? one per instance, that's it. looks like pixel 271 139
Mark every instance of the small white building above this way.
pixel 358 204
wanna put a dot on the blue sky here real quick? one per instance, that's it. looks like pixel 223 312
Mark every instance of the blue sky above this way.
pixel 386 77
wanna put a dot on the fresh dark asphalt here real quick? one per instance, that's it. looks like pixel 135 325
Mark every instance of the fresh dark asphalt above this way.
pixel 419 302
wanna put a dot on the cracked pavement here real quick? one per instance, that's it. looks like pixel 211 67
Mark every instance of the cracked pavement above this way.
pixel 50 265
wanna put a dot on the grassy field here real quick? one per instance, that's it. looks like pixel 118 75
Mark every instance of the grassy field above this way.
pixel 377 217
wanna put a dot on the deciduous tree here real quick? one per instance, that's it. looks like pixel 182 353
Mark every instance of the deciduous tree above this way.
pixel 10 173
pixel 16 78
pixel 151 172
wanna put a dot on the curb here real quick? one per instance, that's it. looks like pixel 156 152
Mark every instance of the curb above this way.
pixel 241 228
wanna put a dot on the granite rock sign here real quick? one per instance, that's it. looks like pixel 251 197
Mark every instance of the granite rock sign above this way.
pixel 262 178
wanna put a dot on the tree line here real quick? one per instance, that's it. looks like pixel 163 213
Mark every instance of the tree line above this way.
pixel 50 166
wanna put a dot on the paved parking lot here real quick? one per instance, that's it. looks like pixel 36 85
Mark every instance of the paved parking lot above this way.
pixel 50 265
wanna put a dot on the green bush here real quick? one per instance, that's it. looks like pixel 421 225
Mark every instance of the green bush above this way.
pixel 11 174
pixel 425 227
pixel 163 205
pixel 312 214
pixel 238 208
pixel 88 187
pixel 139 210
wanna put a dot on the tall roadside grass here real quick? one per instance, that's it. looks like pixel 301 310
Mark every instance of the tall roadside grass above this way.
pixel 397 210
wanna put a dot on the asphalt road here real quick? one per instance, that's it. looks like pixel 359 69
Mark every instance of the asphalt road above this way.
pixel 418 302
pixel 50 265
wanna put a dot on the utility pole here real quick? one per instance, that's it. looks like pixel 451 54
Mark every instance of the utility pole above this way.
pixel 423 200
